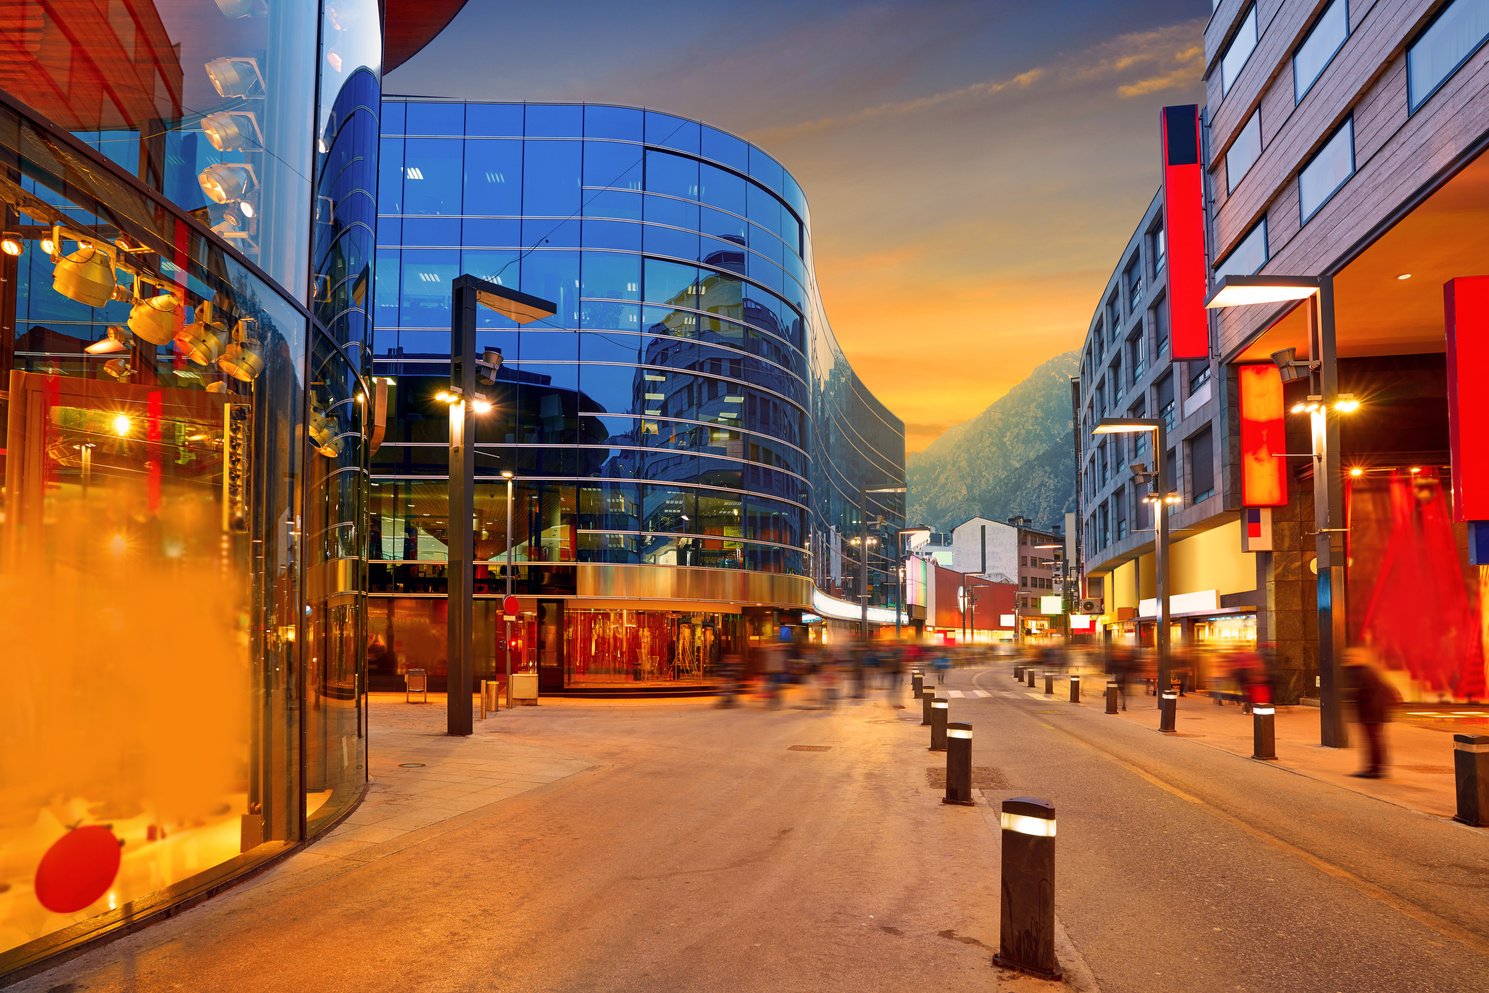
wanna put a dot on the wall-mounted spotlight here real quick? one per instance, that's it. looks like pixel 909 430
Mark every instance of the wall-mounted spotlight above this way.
pixel 203 341
pixel 230 130
pixel 322 431
pixel 235 77
pixel 1286 360
pixel 117 339
pixel 119 369
pixel 488 365
pixel 225 182
pixel 12 244
pixel 155 319
pixel 244 358
pixel 87 274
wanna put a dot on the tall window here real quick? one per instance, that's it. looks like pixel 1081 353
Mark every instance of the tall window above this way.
pixel 1158 247
pixel 1238 51
pixel 1443 47
pixel 1114 313
pixel 1114 377
pixel 1165 401
pixel 1119 505
pixel 1201 456
pixel 1244 151
pixel 1136 355
pixel 1328 170
pixel 1318 48
pixel 1199 375
pixel 1249 255
pixel 1141 440
pixel 1159 313
pixel 1133 277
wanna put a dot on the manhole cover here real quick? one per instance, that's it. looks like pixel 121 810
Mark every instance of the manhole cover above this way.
pixel 411 765
pixel 984 777
pixel 809 748
pixel 1439 770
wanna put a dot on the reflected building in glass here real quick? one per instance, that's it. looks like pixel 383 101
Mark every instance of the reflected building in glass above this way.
pixel 689 446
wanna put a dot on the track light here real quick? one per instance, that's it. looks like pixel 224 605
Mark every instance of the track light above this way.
pixel 119 369
pixel 87 275
pixel 117 340
pixel 243 359
pixel 322 431
pixel 12 244
pixel 155 320
pixel 224 182
pixel 48 244
pixel 203 341
pixel 234 77
pixel 227 131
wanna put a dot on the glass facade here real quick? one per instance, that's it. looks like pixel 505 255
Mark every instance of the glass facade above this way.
pixel 188 223
pixel 685 422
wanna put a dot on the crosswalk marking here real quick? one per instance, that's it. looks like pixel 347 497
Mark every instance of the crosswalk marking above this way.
pixel 980 693
pixel 955 694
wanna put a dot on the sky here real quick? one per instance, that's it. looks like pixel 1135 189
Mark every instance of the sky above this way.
pixel 972 167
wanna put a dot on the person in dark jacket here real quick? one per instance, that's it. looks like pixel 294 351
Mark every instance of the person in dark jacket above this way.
pixel 1374 698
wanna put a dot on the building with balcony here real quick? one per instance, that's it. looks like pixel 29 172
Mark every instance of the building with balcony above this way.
pixel 694 462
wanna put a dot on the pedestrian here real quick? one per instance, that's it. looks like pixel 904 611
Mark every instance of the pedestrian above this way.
pixel 1374 697
pixel 941 664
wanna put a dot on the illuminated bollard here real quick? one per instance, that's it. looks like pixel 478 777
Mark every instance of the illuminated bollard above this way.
pixel 1029 674
pixel 1471 770
pixel 1263 731
pixel 1111 697
pixel 1026 923
pixel 1049 684
pixel 958 764
pixel 926 696
pixel 1168 705
pixel 940 710
pixel 917 683
pixel 1075 689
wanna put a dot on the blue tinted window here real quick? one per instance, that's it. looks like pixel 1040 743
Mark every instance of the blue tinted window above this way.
pixel 433 232
pixel 550 232
pixel 554 121
pixel 1329 169
pixel 766 169
pixel 764 209
pixel 1446 44
pixel 432 175
pixel 491 232
pixel 726 148
pixel 673 174
pixel 555 277
pixel 670 283
pixel 612 234
pixel 612 203
pixel 670 241
pixel 723 189
pixel 612 274
pixel 1324 39
pixel 597 346
pixel 722 225
pixel 721 254
pixel 389 231
pixel 501 120
pixel 550 172
pixel 544 345
pixel 492 266
pixel 390 176
pixel 612 122
pixel 385 290
pixel 436 118
pixel 493 177
pixel 794 197
pixel 672 132
pixel 392 117
pixel 609 316
pixel 424 290
pixel 666 210
pixel 612 164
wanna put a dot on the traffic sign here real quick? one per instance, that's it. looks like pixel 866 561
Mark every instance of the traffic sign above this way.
pixel 509 607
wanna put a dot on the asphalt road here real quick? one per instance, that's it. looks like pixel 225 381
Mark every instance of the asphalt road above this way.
pixel 701 852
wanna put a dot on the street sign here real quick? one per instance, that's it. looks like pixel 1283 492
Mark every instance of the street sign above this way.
pixel 509 607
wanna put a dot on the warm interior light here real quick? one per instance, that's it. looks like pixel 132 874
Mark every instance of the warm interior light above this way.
pixel 234 77
pixel 1404 275
pixel 87 275
pixel 224 182
pixel 1356 472
pixel 1414 469
pixel 116 340
pixel 155 320
pixel 11 243
pixel 122 425
pixel 507 474
pixel 49 244
pixel 243 359
pixel 203 341
pixel 1122 427
pixel 1237 293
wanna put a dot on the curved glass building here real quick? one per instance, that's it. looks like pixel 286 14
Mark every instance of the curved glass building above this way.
pixel 187 225
pixel 690 451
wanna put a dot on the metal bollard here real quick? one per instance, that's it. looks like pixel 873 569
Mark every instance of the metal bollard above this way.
pixel 1029 674
pixel 1075 689
pixel 917 683
pixel 940 710
pixel 490 696
pixel 958 764
pixel 1111 697
pixel 926 696
pixel 1026 925
pixel 1018 673
pixel 1264 732
pixel 1049 684
pixel 1471 770
pixel 1168 705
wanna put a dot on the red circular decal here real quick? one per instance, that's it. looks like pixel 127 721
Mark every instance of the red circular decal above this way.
pixel 78 869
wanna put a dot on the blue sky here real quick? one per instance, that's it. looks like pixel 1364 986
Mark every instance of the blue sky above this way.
pixel 972 168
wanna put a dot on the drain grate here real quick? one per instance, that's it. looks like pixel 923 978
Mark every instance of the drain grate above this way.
pixel 984 777
pixel 809 748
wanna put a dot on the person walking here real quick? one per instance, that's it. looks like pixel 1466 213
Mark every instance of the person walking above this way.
pixel 941 664
pixel 1374 698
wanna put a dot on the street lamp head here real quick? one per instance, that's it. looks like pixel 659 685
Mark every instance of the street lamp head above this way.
pixel 1126 425
pixel 516 306
pixel 507 474
pixel 1245 291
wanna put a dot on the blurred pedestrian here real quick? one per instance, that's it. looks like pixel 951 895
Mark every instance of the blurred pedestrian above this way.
pixel 1374 697
pixel 941 664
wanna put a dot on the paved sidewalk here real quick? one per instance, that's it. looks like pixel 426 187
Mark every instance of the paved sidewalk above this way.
pixel 1419 750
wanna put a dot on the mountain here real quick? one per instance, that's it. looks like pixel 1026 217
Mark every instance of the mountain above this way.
pixel 1015 457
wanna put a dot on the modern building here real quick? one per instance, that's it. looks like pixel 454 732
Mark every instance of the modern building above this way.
pixel 1013 552
pixel 694 463
pixel 1343 147
pixel 185 265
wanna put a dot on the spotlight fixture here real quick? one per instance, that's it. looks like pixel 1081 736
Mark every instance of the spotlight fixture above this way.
pixel 49 244
pixel 1288 365
pixel 117 340
pixel 225 182
pixel 480 405
pixel 203 341
pixel 322 431
pixel 12 244
pixel 217 386
pixel 243 359
pixel 155 320
pixel 87 275
pixel 119 369
pixel 1356 472
pixel 488 365
pixel 228 132
pixel 1347 403
pixel 234 77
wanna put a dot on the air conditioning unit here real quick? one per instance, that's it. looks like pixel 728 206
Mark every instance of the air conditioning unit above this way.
pixel 1089 605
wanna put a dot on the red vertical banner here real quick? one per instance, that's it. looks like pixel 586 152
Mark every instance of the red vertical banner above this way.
pixel 1263 436
pixel 1467 304
pixel 1184 223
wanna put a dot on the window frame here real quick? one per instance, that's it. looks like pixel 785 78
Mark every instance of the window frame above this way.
pixel 1266 249
pixel 1298 95
pixel 1304 214
pixel 1231 178
pixel 1412 106
pixel 1247 18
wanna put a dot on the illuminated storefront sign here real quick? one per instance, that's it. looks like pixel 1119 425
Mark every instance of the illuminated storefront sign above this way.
pixel 1263 436
pixel 1183 203
pixel 1467 303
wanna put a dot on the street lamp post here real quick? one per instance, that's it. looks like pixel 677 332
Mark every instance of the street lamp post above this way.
pixel 468 293
pixel 1328 485
pixel 1160 500
pixel 863 560
pixel 506 617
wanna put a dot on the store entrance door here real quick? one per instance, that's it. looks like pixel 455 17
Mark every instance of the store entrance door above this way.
pixel 550 646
